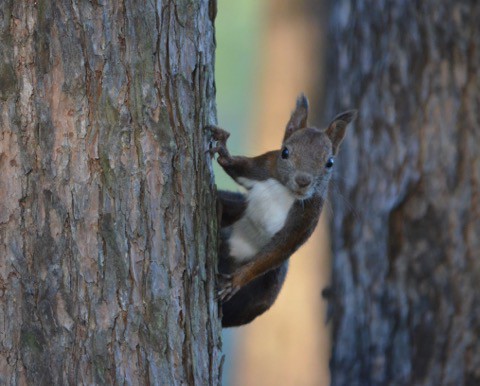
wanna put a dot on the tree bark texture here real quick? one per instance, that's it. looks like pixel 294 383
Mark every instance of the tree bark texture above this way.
pixel 107 219
pixel 406 273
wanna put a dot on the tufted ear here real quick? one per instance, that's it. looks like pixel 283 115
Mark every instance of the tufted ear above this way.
pixel 336 129
pixel 298 120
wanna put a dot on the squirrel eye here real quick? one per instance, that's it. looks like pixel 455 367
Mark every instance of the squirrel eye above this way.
pixel 329 163
pixel 285 153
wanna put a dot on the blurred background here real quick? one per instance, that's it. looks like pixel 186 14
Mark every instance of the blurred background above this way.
pixel 268 52
pixel 404 206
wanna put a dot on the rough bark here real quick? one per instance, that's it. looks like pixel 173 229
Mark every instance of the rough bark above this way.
pixel 107 233
pixel 406 309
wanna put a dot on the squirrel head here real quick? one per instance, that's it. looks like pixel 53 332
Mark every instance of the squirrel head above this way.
pixel 305 161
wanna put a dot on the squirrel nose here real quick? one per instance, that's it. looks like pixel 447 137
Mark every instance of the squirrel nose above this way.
pixel 303 180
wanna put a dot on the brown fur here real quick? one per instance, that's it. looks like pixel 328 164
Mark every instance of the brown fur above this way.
pixel 249 288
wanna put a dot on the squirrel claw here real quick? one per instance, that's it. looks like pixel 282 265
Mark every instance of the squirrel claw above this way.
pixel 226 287
pixel 212 151
pixel 220 136
pixel 224 156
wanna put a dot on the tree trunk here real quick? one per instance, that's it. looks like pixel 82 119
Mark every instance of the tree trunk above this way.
pixel 406 309
pixel 107 227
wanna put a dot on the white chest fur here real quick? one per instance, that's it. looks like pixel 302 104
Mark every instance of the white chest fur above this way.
pixel 268 205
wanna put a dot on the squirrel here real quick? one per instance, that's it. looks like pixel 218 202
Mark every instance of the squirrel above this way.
pixel 261 229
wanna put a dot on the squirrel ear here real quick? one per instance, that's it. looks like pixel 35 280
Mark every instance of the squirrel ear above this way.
pixel 336 129
pixel 298 120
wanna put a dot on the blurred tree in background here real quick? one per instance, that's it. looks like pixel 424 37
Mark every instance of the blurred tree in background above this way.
pixel 406 309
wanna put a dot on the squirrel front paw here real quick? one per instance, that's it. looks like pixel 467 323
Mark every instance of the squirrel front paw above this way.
pixel 220 136
pixel 226 287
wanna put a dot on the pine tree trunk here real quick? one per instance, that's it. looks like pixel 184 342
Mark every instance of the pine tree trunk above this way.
pixel 107 219
pixel 406 309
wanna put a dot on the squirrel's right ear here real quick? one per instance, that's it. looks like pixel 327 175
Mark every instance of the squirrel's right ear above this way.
pixel 298 120
pixel 336 128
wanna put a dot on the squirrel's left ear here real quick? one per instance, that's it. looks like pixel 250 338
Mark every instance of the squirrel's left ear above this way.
pixel 298 120
pixel 336 129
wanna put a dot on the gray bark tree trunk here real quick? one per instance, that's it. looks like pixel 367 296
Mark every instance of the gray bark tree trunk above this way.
pixel 406 304
pixel 107 219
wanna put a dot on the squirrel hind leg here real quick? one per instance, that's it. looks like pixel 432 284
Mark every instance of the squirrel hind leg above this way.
pixel 254 299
